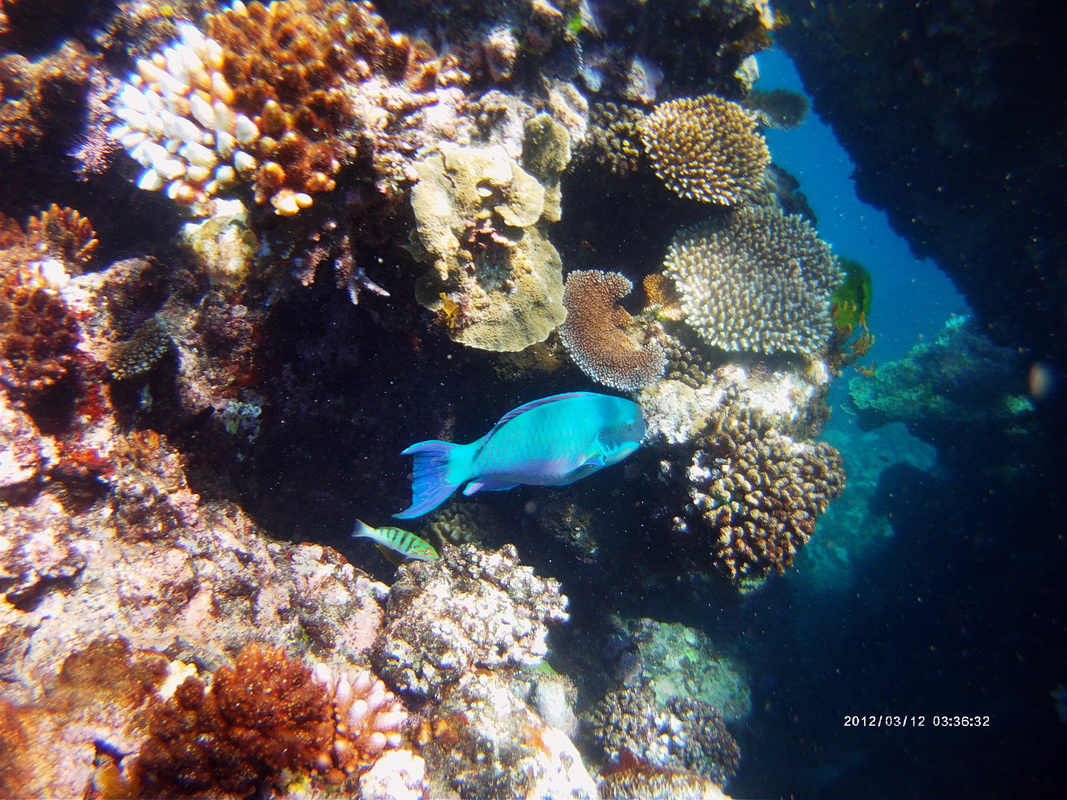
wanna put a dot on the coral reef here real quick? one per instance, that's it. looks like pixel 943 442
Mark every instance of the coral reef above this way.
pixel 496 617
pixel 706 148
pixel 596 337
pixel 615 137
pixel 754 495
pixel 461 523
pixel 265 94
pixel 485 742
pixel 759 281
pixel 682 733
pixel 38 331
pixel 264 715
pixel 138 354
pixel 497 279
pixel 632 778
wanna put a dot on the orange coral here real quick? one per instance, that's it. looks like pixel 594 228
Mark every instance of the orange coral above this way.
pixel 64 234
pixel 38 332
pixel 288 63
pixel 706 148
pixel 264 715
pixel 595 336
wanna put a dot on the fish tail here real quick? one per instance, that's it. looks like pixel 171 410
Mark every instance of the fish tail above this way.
pixel 362 529
pixel 430 485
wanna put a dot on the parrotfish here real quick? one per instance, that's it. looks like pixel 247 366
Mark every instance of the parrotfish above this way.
pixel 404 543
pixel 548 442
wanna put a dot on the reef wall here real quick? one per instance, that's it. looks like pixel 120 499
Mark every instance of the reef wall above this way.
pixel 952 114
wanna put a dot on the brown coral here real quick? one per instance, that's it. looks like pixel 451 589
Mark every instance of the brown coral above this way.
pixel 755 494
pixel 38 332
pixel 64 234
pixel 262 716
pixel 615 136
pixel 288 63
pixel 758 281
pixel 138 354
pixel 706 148
pixel 595 332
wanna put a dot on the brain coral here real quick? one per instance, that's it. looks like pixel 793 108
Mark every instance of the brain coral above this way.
pixel 758 281
pixel 754 496
pixel 265 93
pixel 706 148
pixel 595 335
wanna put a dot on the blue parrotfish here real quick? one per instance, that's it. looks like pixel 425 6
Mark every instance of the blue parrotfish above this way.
pixel 404 543
pixel 548 442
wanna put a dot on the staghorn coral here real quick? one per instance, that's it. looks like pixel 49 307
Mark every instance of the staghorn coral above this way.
pixel 496 618
pixel 595 332
pixel 478 215
pixel 706 148
pixel 754 495
pixel 64 234
pixel 758 281
pixel 266 94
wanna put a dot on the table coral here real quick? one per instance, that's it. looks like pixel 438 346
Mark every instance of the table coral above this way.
pixel 495 617
pixel 758 281
pixel 596 337
pixel 706 148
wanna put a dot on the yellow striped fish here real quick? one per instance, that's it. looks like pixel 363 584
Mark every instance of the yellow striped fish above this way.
pixel 404 543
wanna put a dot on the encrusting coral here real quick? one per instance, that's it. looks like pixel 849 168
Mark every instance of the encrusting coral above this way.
pixel 497 279
pixel 706 148
pixel 759 281
pixel 496 617
pixel 265 94
pixel 754 496
pixel 596 337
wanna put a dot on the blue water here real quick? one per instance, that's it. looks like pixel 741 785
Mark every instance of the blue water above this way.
pixel 912 297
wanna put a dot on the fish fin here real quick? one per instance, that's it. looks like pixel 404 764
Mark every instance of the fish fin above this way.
pixel 487 485
pixel 544 401
pixel 362 530
pixel 429 477
pixel 391 556
pixel 595 460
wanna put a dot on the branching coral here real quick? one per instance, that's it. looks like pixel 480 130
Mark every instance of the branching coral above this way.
pixel 138 354
pixel 759 281
pixel 267 94
pixel 754 495
pixel 596 337
pixel 615 136
pixel 706 148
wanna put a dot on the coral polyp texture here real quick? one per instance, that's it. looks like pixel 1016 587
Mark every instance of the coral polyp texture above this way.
pixel 759 281
pixel 706 148
pixel 754 497
pixel 38 331
pixel 596 332
pixel 264 95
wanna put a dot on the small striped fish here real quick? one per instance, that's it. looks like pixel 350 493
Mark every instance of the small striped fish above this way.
pixel 404 543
